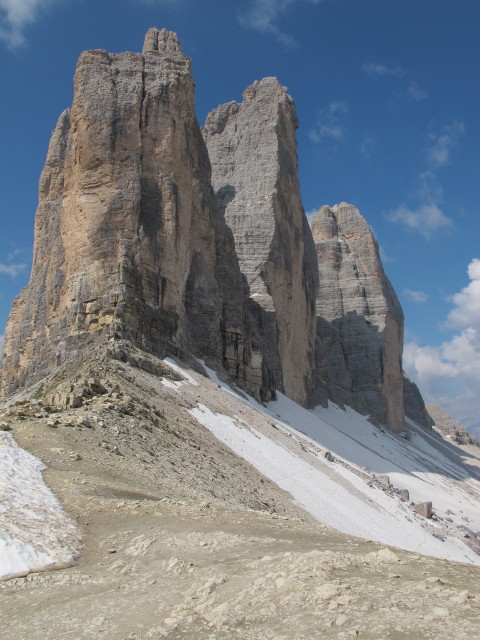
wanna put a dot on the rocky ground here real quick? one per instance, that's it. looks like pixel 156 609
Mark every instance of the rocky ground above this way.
pixel 450 429
pixel 182 539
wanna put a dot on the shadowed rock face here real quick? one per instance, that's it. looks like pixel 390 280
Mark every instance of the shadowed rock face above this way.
pixel 253 152
pixel 128 241
pixel 359 319
pixel 415 407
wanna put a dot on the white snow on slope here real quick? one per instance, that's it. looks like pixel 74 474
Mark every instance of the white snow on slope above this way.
pixel 180 370
pixel 286 443
pixel 291 451
pixel 35 532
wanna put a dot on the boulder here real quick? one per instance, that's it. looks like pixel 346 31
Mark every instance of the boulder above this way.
pixel 423 509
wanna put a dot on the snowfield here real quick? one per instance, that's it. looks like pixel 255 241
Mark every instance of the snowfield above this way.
pixel 289 448
pixel 35 532
pixel 348 490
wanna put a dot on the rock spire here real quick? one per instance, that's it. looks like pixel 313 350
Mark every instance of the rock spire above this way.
pixel 181 242
pixel 253 151
pixel 128 240
pixel 359 319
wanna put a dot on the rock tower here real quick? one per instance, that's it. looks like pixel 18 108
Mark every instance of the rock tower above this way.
pixel 128 240
pixel 359 319
pixel 195 244
pixel 253 152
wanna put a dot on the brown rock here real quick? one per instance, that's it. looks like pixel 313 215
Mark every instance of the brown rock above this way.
pixel 423 509
pixel 128 241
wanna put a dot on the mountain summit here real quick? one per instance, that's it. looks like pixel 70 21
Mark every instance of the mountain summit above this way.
pixel 195 244
pixel 215 392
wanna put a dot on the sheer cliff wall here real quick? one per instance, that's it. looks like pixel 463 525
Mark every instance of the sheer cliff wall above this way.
pixel 128 241
pixel 195 243
pixel 360 321
pixel 253 151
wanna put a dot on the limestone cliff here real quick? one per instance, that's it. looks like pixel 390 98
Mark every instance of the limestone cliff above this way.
pixel 128 241
pixel 133 243
pixel 415 407
pixel 253 152
pixel 359 319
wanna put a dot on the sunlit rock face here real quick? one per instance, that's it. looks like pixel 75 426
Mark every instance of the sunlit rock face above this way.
pixel 128 240
pixel 253 151
pixel 195 243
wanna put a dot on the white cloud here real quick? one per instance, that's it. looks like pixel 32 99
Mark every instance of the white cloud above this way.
pixel 329 123
pixel 416 92
pixel 384 256
pixel 449 374
pixel 264 15
pixel 16 15
pixel 368 144
pixel 443 142
pixel 426 219
pixel 13 269
pixel 415 296
pixel 467 303
pixel 310 215
pixel 376 70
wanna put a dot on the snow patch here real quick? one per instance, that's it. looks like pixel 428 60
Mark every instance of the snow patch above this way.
pixel 290 452
pixel 171 384
pixel 35 532
pixel 176 367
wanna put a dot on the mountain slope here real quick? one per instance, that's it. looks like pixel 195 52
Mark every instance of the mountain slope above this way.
pixel 182 538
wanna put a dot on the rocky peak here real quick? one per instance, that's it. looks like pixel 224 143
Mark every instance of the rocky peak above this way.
pixel 360 321
pixel 128 241
pixel 448 427
pixel 253 153
pixel 162 41
pixel 357 281
pixel 163 52
pixel 133 244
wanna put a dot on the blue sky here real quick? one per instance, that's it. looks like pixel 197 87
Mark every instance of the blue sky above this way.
pixel 388 99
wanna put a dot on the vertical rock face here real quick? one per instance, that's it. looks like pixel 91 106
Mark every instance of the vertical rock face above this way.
pixel 132 242
pixel 253 153
pixel 415 407
pixel 128 241
pixel 359 319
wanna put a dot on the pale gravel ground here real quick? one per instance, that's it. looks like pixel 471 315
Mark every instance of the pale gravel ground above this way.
pixel 182 539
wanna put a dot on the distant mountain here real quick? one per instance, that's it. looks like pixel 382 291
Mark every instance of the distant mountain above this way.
pixel 448 427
